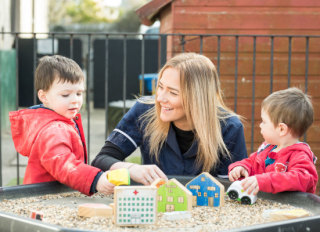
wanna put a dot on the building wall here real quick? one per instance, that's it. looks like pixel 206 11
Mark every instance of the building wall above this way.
pixel 34 18
pixel 5 25
pixel 272 17
pixel 247 16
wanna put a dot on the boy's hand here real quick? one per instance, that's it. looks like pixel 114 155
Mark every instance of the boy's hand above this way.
pixel 104 186
pixel 251 185
pixel 238 172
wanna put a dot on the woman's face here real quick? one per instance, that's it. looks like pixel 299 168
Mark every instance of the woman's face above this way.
pixel 169 98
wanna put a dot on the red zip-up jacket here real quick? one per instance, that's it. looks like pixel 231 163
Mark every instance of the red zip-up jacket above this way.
pixel 55 149
pixel 293 168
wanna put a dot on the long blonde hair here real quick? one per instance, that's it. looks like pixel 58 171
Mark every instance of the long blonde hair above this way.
pixel 204 108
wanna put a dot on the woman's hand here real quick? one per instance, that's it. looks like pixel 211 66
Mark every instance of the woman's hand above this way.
pixel 104 186
pixel 238 172
pixel 146 174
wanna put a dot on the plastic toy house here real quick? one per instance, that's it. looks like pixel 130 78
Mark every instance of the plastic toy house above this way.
pixel 135 205
pixel 206 190
pixel 173 196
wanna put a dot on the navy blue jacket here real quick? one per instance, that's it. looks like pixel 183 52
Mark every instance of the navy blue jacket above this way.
pixel 128 135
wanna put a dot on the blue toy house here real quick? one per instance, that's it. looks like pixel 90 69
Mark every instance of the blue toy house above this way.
pixel 206 190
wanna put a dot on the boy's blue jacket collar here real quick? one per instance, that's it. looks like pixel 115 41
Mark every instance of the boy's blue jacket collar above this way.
pixel 39 106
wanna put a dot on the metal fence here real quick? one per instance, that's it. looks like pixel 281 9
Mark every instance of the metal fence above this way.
pixel 222 49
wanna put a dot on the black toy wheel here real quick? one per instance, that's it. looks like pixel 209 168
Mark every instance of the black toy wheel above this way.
pixel 233 195
pixel 246 201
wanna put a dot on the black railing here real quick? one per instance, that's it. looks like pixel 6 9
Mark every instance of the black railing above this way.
pixel 168 44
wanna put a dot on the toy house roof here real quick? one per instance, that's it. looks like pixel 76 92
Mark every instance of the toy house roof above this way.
pixel 208 175
pixel 181 186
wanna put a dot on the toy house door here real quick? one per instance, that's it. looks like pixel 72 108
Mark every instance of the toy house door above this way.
pixel 169 208
pixel 135 218
pixel 194 200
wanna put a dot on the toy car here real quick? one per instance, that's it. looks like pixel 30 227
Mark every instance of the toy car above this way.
pixel 236 192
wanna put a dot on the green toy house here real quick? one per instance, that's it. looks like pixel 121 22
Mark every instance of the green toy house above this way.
pixel 173 196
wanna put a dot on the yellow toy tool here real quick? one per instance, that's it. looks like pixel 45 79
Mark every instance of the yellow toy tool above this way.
pixel 119 176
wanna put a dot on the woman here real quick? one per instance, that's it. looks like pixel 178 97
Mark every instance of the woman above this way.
pixel 185 130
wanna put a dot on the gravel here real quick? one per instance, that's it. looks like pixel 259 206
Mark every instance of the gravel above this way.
pixel 61 209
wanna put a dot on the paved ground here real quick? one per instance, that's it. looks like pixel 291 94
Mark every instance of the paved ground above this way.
pixel 9 155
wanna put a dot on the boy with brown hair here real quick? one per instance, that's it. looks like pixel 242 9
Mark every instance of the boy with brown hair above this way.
pixel 282 163
pixel 51 134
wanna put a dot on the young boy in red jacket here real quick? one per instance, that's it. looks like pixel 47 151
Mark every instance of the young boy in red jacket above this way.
pixel 51 134
pixel 282 163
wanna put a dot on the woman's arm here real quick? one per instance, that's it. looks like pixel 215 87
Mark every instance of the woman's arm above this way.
pixel 235 140
pixel 124 140
pixel 111 157
pixel 108 155
pixel 233 137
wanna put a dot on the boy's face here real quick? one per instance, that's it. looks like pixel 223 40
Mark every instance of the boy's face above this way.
pixel 64 98
pixel 269 132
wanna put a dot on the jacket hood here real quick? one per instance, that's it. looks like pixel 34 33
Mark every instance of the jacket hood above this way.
pixel 26 125
pixel 300 146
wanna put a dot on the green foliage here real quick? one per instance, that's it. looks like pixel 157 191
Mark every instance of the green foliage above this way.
pixel 134 159
pixel 129 22
pixel 93 16
pixel 86 11
pixel 13 182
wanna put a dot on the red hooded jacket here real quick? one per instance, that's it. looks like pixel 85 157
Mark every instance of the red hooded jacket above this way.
pixel 56 151
pixel 292 170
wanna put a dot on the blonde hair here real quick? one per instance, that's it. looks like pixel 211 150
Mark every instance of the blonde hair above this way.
pixel 292 107
pixel 203 105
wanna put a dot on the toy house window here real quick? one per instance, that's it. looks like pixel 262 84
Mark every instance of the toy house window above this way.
pixel 203 179
pixel 216 195
pixel 159 198
pixel 169 199
pixel 205 194
pixel 199 194
pixel 180 199
pixel 211 188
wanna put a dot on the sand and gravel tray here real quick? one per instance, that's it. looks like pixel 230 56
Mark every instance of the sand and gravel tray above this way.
pixel 61 210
